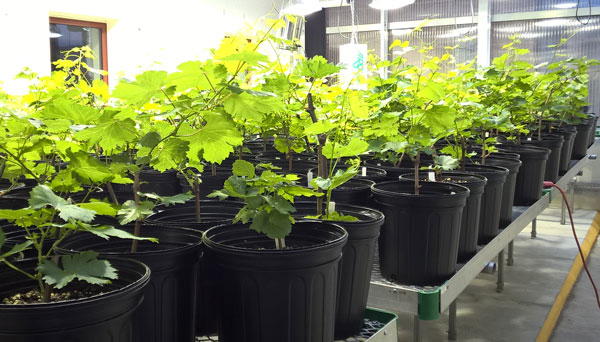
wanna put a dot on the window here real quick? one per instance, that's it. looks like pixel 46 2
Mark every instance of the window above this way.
pixel 66 34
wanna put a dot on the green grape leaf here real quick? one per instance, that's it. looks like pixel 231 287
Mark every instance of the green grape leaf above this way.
pixel 280 204
pixel 245 106
pixel 64 109
pixel 109 134
pixel 353 148
pixel 42 196
pixel 445 162
pixel 89 169
pixel 316 67
pixel 273 224
pixel 249 57
pixel 243 168
pixel 16 249
pixel 320 182
pixel 150 140
pixel 83 266
pixel 171 155
pixel 319 127
pixel 130 211
pixel 198 75
pixel 101 208
pixel 169 200
pixel 107 232
pixel 216 139
pixel 145 87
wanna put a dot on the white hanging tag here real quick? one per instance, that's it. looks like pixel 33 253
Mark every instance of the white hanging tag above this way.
pixel 487 134
pixel 364 171
pixel 431 176
pixel 331 206
pixel 309 177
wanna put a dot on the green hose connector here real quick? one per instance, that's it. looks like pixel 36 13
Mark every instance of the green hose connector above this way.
pixel 547 191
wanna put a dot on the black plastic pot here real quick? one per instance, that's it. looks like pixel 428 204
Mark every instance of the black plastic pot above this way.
pixel 491 200
pixel 354 191
pixel 161 183
pixel 208 182
pixel 419 239
pixel 102 318
pixel 554 143
pixel 285 295
pixel 469 223
pixel 168 311
pixel 270 156
pixel 355 266
pixel 592 138
pixel 508 190
pixel 567 149
pixel 531 173
pixel 212 213
pixel 298 166
pixel 393 172
pixel 582 139
pixel 371 173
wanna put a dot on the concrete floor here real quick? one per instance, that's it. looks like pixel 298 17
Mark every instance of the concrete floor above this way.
pixel 531 285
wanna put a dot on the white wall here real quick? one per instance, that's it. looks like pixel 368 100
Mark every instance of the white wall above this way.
pixel 141 33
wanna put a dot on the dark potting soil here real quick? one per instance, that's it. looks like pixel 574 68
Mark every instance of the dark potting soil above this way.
pixel 71 292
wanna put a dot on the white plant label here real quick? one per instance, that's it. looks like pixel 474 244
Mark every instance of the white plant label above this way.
pixel 309 177
pixel 353 58
pixel 331 206
pixel 431 176
pixel 364 171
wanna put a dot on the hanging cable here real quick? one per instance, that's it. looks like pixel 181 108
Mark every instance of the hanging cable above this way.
pixel 550 184
pixel 589 16
pixel 354 36
pixel 338 21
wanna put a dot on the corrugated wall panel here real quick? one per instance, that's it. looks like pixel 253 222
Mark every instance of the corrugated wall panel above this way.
pixel 371 38
pixel 432 9
pixel 512 6
pixel 441 37
pixel 536 35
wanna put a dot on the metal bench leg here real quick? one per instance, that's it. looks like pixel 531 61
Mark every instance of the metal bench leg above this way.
pixel 510 260
pixel 534 228
pixel 417 330
pixel 452 321
pixel 500 283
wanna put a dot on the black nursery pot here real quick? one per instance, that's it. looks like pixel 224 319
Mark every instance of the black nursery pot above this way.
pixel 491 201
pixel 582 138
pixel 356 264
pixel 592 136
pixel 566 151
pixel 212 213
pixel 469 223
pixel 354 191
pixel 168 311
pixel 393 172
pixel 554 143
pixel 102 318
pixel 530 178
pixel 418 244
pixel 162 183
pixel 508 191
pixel 208 181
pixel 285 295
pixel 375 174
pixel 298 166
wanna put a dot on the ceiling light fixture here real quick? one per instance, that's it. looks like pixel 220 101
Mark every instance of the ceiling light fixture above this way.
pixel 302 7
pixel 390 4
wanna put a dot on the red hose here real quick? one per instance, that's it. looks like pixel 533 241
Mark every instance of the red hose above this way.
pixel 550 184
